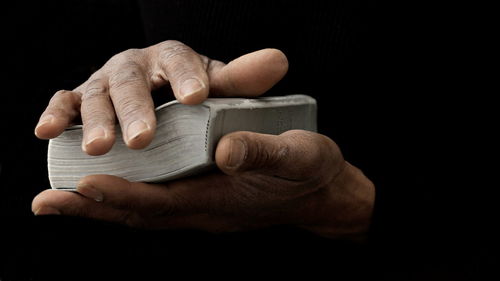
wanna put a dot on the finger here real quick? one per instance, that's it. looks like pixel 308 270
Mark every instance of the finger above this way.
pixel 98 117
pixel 186 197
pixel 210 202
pixel 295 155
pixel 58 202
pixel 63 107
pixel 131 96
pixel 248 76
pixel 185 70
pixel 133 205
pixel 122 194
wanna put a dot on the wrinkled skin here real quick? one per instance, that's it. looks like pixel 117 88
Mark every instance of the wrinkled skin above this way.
pixel 297 178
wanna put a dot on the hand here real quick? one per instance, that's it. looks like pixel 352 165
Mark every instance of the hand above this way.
pixel 122 88
pixel 297 178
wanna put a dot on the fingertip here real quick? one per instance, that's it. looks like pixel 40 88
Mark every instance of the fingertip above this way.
pixel 252 74
pixel 99 145
pixel 193 91
pixel 231 154
pixel 139 134
pixel 273 65
pixel 49 127
pixel 276 58
pixel 45 203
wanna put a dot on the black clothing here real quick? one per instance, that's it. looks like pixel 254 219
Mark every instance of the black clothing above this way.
pixel 363 64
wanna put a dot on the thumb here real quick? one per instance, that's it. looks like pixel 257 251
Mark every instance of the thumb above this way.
pixel 249 75
pixel 294 155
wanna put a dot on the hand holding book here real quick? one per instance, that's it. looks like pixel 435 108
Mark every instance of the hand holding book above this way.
pixel 121 90
pixel 297 177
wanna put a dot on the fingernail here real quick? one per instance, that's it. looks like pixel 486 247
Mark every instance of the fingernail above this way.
pixel 237 153
pixel 95 134
pixel 46 210
pixel 49 119
pixel 89 191
pixel 191 86
pixel 136 128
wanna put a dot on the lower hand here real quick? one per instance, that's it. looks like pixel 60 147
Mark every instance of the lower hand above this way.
pixel 297 178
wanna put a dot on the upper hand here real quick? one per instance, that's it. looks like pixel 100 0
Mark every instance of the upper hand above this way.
pixel 122 89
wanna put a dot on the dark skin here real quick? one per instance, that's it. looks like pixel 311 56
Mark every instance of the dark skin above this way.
pixel 297 178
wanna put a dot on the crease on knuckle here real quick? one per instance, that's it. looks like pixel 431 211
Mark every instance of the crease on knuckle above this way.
pixel 127 73
pixel 64 97
pixel 304 154
pixel 322 160
pixel 95 89
pixel 95 117
pixel 130 107
pixel 123 57
pixel 60 101
pixel 171 54
pixel 273 157
pixel 279 154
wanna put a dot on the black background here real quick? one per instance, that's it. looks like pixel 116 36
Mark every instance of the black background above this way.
pixel 390 86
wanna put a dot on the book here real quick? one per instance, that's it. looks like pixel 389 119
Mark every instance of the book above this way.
pixel 185 140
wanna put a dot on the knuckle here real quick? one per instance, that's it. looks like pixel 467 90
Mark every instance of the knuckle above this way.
pixel 65 97
pixel 61 93
pixel 124 57
pixel 170 52
pixel 95 117
pixel 129 107
pixel 279 153
pixel 96 88
pixel 125 74
pixel 173 46
pixel 64 102
pixel 326 157
pixel 307 152
pixel 182 72
pixel 267 156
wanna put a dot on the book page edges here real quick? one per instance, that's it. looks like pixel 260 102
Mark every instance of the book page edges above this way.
pixel 215 130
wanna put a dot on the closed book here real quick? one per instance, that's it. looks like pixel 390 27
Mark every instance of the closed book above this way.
pixel 185 140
